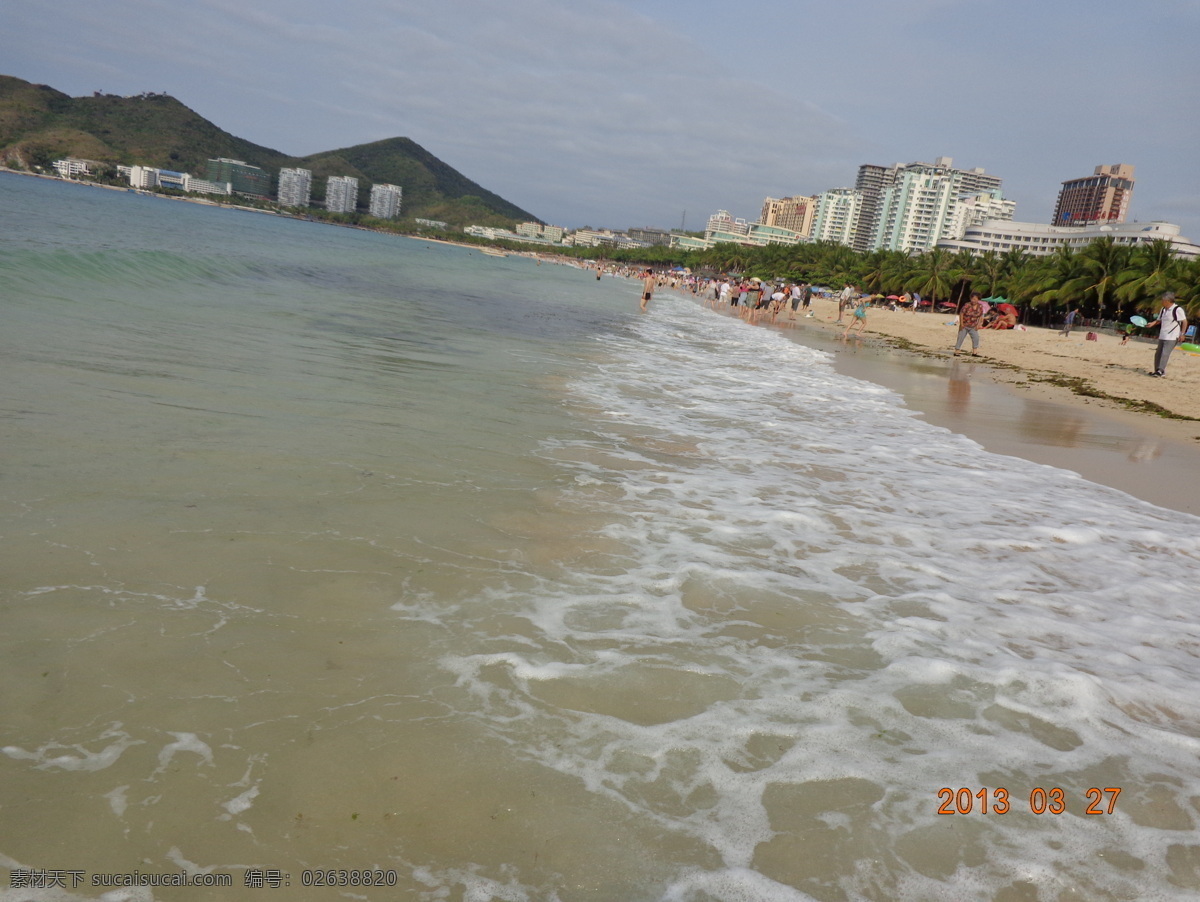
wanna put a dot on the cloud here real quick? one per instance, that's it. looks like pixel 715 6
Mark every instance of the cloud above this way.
pixel 618 112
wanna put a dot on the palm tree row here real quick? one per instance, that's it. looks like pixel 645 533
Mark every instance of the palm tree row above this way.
pixel 1104 279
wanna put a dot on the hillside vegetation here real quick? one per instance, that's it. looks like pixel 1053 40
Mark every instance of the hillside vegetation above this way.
pixel 39 125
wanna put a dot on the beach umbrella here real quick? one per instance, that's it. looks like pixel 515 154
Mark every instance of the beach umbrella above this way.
pixel 1007 308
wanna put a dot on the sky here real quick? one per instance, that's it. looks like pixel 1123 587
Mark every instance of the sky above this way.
pixel 621 113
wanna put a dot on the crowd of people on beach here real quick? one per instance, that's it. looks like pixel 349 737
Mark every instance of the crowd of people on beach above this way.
pixel 752 298
pixel 755 300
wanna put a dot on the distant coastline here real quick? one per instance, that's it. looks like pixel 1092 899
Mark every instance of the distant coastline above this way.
pixel 204 201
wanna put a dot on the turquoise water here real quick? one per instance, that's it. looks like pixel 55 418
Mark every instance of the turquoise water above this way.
pixel 325 549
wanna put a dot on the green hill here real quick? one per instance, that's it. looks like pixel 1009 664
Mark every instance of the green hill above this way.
pixel 39 125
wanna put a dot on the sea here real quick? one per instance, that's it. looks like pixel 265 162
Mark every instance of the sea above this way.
pixel 339 565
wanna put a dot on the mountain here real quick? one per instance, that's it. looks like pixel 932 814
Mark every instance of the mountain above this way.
pixel 39 125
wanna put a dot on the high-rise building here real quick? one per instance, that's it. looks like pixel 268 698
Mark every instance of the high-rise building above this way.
pixel 909 206
pixel 295 186
pixel 341 194
pixel 793 213
pixel 837 215
pixel 1102 196
pixel 244 178
pixel 385 201
pixel 870 183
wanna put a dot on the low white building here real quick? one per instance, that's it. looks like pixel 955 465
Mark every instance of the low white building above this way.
pixel 71 168
pixel 148 177
pixel 1040 240
pixel 549 233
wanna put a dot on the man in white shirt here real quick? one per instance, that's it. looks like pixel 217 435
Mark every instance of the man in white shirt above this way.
pixel 844 300
pixel 1172 324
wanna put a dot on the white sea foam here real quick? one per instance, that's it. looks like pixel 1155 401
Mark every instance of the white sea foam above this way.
pixel 826 610
pixel 184 742
pixel 241 803
pixel 78 757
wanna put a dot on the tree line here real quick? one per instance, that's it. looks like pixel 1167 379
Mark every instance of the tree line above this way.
pixel 1104 279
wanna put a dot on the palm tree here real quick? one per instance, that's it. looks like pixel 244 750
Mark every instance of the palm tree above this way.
pixel 1152 270
pixel 1188 288
pixel 883 271
pixel 1100 265
pixel 1048 276
pixel 932 273
pixel 988 269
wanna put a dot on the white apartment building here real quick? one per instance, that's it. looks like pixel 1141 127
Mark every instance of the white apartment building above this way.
pixel 911 206
pixel 922 206
pixel 1040 240
pixel 973 209
pixel 721 222
pixel 143 177
pixel 385 201
pixel 295 187
pixel 837 215
pixel 914 211
pixel 341 194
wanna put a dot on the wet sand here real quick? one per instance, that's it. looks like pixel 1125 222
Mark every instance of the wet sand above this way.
pixel 1000 407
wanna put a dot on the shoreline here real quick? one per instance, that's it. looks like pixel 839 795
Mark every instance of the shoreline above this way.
pixel 1042 363
pixel 1019 404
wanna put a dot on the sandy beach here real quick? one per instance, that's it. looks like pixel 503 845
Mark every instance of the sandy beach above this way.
pixel 1103 370
pixel 1086 406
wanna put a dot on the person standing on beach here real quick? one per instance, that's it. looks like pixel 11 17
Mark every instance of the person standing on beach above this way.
pixel 844 299
pixel 1172 326
pixel 970 318
pixel 648 283
pixel 806 298
pixel 1069 322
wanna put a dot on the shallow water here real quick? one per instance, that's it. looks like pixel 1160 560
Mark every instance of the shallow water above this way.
pixel 329 550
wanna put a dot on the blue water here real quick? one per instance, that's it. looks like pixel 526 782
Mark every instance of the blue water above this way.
pixel 328 549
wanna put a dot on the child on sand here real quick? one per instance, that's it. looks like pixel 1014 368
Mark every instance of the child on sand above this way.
pixel 859 319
